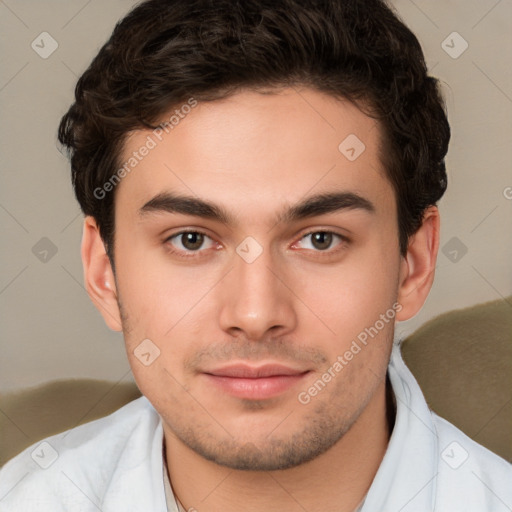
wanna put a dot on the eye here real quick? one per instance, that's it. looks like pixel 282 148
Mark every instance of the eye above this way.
pixel 320 240
pixel 190 241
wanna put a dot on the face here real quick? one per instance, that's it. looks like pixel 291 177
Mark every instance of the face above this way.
pixel 252 251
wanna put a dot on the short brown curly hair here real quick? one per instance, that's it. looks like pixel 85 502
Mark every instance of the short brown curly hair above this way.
pixel 167 51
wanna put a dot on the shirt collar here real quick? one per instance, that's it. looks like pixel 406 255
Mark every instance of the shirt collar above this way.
pixel 406 478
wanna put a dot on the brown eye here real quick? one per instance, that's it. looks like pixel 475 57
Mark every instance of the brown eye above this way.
pixel 190 241
pixel 321 240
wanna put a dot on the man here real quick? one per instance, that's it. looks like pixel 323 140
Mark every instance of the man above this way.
pixel 259 182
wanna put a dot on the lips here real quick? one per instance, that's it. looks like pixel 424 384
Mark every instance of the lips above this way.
pixel 255 383
pixel 248 372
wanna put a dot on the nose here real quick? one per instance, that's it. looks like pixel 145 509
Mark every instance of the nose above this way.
pixel 257 299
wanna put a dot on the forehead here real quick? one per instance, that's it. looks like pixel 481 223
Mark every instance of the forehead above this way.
pixel 276 146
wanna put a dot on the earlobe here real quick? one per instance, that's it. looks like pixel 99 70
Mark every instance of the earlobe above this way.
pixel 418 266
pixel 98 275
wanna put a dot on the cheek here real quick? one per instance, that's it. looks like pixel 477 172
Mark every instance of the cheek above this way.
pixel 154 293
pixel 352 296
pixel 166 304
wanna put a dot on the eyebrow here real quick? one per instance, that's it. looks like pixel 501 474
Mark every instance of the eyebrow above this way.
pixel 312 206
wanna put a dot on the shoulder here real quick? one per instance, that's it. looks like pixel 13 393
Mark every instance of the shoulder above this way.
pixel 77 467
pixel 470 477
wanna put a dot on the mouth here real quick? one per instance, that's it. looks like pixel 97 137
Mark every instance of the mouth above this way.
pixel 255 383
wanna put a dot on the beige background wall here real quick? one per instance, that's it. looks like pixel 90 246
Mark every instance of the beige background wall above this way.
pixel 50 329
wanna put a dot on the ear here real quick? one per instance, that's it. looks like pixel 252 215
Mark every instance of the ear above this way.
pixel 98 275
pixel 417 267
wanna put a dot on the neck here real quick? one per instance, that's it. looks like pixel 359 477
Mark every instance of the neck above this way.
pixel 336 480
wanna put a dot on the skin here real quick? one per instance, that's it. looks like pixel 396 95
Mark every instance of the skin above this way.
pixel 255 155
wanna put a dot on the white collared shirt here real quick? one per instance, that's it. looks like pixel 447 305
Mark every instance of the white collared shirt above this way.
pixel 115 464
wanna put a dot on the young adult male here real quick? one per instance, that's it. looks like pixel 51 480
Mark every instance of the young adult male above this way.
pixel 259 181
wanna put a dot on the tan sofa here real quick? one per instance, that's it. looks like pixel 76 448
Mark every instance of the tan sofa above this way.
pixel 462 360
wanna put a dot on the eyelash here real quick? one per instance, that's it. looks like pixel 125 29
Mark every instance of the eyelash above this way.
pixel 344 241
pixel 185 254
